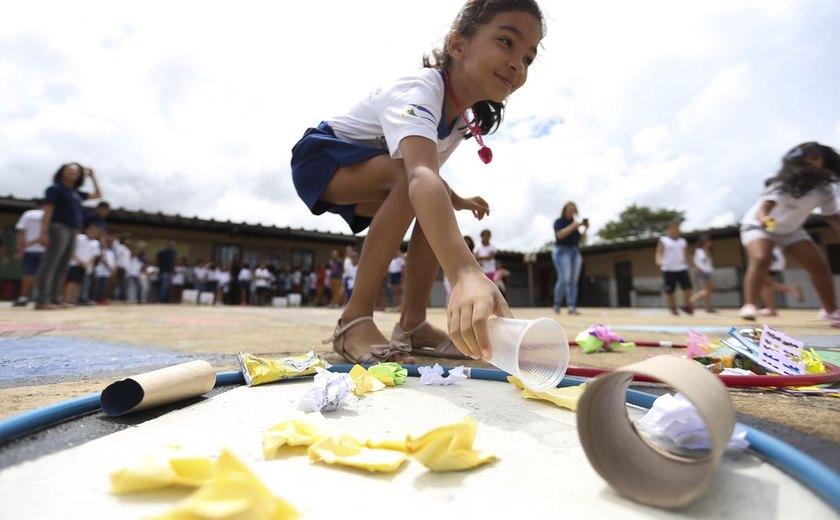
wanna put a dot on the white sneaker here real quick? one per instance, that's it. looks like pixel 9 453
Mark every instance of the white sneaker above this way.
pixel 748 312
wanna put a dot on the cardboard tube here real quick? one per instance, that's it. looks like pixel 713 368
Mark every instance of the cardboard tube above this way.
pixel 158 387
pixel 634 468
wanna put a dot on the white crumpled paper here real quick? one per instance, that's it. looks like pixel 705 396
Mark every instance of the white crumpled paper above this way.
pixel 434 375
pixel 674 418
pixel 328 391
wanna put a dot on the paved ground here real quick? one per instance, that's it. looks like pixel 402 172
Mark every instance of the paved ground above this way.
pixel 49 356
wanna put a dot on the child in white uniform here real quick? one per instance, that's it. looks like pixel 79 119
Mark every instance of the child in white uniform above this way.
pixel 672 259
pixel 807 180
pixel 379 165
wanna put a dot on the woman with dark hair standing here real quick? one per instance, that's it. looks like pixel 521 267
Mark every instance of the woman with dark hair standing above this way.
pixel 806 181
pixel 62 222
pixel 566 256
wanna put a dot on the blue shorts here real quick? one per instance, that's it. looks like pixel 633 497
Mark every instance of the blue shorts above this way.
pixel 31 261
pixel 315 159
pixel 395 278
pixel 703 276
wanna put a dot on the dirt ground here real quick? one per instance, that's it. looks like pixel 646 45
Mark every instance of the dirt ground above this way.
pixel 220 332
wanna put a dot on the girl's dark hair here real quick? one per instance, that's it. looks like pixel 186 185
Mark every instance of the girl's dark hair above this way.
pixel 796 177
pixel 488 114
pixel 79 181
pixel 703 239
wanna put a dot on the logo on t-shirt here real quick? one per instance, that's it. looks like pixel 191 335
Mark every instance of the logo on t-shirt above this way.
pixel 421 111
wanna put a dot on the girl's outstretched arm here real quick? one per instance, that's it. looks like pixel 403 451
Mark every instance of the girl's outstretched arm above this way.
pixel 474 297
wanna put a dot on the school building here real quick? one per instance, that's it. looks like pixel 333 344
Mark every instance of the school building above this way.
pixel 615 274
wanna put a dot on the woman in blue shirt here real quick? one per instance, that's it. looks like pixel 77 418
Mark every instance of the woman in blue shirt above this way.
pixel 62 222
pixel 566 256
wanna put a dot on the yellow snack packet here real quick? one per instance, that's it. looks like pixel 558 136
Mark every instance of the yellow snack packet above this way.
pixel 258 370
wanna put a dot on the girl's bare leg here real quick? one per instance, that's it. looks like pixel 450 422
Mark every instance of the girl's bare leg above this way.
pixel 808 255
pixel 767 294
pixel 379 189
pixel 420 272
pixel 760 256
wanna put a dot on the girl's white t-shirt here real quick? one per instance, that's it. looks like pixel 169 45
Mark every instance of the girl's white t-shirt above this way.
pixel 86 250
pixel 791 213
pixel 411 106
pixel 350 274
pixel 106 263
pixel 673 254
pixel 703 261
pixel 396 265
pixel 488 266
pixel 261 277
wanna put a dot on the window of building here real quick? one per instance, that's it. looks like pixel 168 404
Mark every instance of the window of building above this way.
pixel 303 260
pixel 225 253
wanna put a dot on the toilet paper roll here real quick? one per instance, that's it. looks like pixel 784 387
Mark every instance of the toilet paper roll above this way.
pixel 158 387
pixel 633 467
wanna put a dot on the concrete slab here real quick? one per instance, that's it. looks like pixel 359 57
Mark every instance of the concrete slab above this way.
pixel 541 470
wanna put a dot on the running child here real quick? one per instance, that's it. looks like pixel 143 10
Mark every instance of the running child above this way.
pixel 806 180
pixel 378 166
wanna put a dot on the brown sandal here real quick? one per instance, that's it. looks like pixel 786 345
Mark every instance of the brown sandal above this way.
pixel 377 354
pixel 444 349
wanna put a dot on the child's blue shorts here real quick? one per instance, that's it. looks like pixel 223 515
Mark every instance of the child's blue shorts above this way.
pixel 315 159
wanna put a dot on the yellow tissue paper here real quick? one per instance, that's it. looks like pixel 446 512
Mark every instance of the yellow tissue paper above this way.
pixel 164 468
pixel 566 397
pixel 365 382
pixel 303 430
pixel 233 492
pixel 347 451
pixel 448 448
pixel 388 444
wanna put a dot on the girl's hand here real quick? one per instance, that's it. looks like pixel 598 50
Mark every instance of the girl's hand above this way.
pixel 44 240
pixel 477 205
pixel 474 298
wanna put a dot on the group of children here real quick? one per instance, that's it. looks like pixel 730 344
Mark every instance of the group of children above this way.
pixel 770 229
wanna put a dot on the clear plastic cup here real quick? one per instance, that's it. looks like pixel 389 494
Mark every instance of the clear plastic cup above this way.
pixel 535 351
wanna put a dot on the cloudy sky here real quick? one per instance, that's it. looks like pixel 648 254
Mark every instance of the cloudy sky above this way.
pixel 192 107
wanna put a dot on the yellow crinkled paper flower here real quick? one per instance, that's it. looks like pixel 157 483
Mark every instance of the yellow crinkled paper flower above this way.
pixel 166 467
pixel 566 397
pixel 365 382
pixel 233 492
pixel 303 430
pixel 347 451
pixel 448 448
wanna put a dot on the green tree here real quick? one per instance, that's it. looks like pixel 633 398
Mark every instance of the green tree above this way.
pixel 640 222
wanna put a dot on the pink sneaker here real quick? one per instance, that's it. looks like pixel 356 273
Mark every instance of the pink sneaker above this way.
pixel 833 318
pixel 747 312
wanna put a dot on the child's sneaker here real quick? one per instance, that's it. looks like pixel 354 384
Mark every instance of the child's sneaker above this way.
pixel 674 311
pixel 688 309
pixel 747 312
pixel 833 318
pixel 766 313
